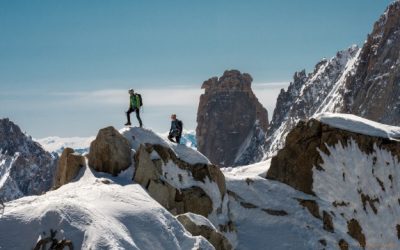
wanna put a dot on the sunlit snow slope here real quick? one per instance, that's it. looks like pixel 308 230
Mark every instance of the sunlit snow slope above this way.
pixel 95 212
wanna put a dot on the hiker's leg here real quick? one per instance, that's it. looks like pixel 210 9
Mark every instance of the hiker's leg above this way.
pixel 178 139
pixel 128 117
pixel 138 117
pixel 170 137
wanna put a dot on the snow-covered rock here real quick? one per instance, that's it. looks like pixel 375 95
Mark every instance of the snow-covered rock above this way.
pixel 97 211
pixel 180 178
pixel 81 145
pixel 270 215
pixel 351 166
pixel 359 125
pixel 199 225
pixel 25 167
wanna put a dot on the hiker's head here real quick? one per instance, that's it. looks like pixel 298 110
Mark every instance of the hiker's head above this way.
pixel 131 92
pixel 173 116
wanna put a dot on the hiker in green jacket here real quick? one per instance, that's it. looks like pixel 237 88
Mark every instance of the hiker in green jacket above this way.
pixel 135 102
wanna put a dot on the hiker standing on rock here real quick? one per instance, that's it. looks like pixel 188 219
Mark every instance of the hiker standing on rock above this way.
pixel 135 102
pixel 176 129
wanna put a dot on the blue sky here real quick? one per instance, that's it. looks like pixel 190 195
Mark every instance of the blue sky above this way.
pixel 65 65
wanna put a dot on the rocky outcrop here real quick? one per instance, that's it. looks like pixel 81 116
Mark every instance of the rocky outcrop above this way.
pixel 199 225
pixel 179 178
pixel 228 117
pixel 183 189
pixel 149 172
pixel 294 163
pixel 25 167
pixel 110 152
pixel 69 165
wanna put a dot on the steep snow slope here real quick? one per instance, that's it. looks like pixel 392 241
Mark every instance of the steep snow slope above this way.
pixel 96 211
pixel 309 94
pixel 365 189
pixel 268 214
pixel 366 185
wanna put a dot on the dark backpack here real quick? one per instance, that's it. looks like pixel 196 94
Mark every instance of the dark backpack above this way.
pixel 140 100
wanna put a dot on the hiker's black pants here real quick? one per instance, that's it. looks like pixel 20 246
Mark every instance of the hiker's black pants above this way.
pixel 128 115
pixel 176 136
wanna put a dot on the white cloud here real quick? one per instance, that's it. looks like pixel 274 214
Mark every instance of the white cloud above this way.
pixel 266 93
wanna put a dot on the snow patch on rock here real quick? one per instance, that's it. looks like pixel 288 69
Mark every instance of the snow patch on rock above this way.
pixel 359 125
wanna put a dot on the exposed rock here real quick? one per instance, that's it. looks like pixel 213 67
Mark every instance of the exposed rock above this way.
pixel 312 207
pixel 373 90
pixel 327 220
pixel 398 231
pixel 355 231
pixel 275 212
pixel 343 245
pixel 247 205
pixel 294 163
pixel 25 167
pixel 178 184
pixel 229 118
pixel 191 223
pixel 150 174
pixel 110 152
pixel 68 167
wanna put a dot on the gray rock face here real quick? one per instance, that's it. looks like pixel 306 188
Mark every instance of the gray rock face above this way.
pixel 68 167
pixel 306 95
pixel 110 152
pixel 25 167
pixel 364 82
pixel 229 114
pixel 373 91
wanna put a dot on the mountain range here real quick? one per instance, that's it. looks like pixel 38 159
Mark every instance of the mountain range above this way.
pixel 322 174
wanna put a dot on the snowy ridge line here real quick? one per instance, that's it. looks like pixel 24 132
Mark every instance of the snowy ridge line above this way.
pixel 328 105
pixel 359 125
pixel 137 136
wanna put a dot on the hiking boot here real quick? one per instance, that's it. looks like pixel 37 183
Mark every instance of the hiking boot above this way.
pixel 127 124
